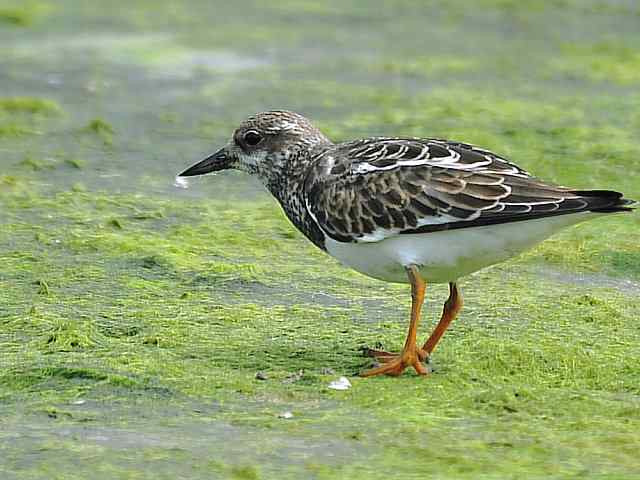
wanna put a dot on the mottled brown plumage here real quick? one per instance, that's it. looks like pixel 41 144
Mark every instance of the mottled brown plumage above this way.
pixel 371 189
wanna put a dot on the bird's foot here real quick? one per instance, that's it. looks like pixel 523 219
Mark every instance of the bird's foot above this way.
pixel 394 364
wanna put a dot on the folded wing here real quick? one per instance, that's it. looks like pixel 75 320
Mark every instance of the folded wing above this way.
pixel 372 189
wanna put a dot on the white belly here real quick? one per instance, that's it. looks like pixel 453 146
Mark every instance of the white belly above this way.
pixel 448 255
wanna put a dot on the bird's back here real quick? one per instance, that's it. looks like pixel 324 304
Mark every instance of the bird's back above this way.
pixel 372 189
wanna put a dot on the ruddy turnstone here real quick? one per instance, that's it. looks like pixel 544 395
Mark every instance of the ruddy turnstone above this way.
pixel 399 209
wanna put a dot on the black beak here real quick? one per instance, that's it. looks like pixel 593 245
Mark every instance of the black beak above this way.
pixel 213 163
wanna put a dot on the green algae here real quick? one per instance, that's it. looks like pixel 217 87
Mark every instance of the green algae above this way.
pixel 16 17
pixel 13 130
pixel 15 105
pixel 23 14
pixel 21 116
pixel 430 66
pixel 142 336
pixel 134 317
pixel 102 129
pixel 601 62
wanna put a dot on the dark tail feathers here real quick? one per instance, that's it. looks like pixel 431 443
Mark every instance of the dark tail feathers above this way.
pixel 605 201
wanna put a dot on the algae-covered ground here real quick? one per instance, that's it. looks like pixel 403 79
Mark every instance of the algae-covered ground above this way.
pixel 135 315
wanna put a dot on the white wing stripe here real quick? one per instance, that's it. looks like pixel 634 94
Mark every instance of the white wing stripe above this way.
pixel 448 162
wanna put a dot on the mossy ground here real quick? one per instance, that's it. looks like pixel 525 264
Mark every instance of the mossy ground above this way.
pixel 134 316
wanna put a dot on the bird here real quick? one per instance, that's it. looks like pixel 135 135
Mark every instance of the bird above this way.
pixel 404 209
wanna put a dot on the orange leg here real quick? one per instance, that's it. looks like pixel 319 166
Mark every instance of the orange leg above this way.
pixel 411 355
pixel 451 308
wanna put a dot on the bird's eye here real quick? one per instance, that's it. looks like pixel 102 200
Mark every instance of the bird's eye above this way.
pixel 252 138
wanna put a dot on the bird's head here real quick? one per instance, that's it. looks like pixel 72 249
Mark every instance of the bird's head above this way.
pixel 267 144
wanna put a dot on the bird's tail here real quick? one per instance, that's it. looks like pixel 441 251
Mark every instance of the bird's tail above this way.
pixel 605 201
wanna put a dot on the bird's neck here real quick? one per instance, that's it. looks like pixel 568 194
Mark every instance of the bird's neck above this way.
pixel 287 186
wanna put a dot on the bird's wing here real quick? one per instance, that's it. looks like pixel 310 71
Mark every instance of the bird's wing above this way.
pixel 369 190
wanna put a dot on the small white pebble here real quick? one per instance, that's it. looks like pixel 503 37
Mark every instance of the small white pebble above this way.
pixel 181 182
pixel 342 383
pixel 286 414
pixel 54 79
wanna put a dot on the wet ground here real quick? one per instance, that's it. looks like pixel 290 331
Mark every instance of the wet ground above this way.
pixel 135 314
